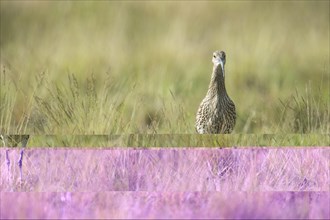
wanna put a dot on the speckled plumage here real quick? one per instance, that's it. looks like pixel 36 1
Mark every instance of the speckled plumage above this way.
pixel 216 113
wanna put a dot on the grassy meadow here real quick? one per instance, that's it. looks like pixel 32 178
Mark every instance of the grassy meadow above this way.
pixel 116 74
pixel 107 67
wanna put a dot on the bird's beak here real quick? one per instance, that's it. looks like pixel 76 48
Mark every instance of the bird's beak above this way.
pixel 222 67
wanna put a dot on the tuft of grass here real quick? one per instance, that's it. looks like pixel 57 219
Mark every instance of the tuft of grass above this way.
pixel 306 113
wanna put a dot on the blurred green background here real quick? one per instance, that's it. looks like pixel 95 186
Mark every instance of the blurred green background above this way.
pixel 110 67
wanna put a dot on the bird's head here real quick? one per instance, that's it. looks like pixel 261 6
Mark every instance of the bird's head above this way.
pixel 219 58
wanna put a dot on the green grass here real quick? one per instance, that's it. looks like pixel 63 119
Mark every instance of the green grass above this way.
pixel 183 140
pixel 83 68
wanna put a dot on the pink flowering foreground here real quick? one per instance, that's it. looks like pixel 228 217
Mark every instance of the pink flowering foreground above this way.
pixel 167 183
pixel 101 205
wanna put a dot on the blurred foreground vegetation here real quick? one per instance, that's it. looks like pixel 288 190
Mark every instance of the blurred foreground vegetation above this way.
pixel 83 67
pixel 181 140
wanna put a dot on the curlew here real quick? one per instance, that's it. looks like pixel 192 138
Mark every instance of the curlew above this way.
pixel 13 141
pixel 216 113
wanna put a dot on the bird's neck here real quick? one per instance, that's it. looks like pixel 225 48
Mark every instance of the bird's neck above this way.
pixel 217 85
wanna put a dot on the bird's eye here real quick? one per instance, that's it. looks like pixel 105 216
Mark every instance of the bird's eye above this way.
pixel 214 56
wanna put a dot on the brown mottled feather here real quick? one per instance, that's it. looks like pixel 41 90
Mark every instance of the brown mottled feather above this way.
pixel 216 113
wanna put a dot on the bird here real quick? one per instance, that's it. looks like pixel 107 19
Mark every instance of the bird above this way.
pixel 13 141
pixel 216 113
